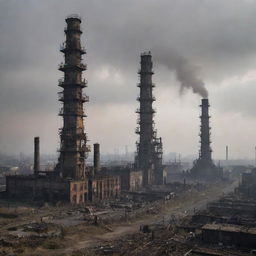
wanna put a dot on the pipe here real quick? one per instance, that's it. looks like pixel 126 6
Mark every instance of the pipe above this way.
pixel 36 156
pixel 96 157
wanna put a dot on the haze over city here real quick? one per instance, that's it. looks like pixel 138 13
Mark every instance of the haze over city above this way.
pixel 127 127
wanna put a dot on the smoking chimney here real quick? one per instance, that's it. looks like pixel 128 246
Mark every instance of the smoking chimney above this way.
pixel 36 156
pixel 96 157
pixel 204 168
pixel 205 150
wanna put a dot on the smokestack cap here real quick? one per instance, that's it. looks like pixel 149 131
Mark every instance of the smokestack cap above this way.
pixel 74 17
pixel 205 102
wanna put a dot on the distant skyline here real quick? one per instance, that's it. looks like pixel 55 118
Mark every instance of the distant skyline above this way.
pixel 217 39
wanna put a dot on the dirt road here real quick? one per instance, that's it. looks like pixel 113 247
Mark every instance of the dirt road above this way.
pixel 179 209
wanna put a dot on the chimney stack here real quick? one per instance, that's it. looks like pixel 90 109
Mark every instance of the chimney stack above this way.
pixel 226 153
pixel 205 150
pixel 145 121
pixel 73 149
pixel 204 168
pixel 36 156
pixel 149 146
pixel 96 157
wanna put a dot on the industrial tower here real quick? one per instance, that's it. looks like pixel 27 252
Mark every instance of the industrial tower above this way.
pixel 205 150
pixel 73 147
pixel 149 148
pixel 204 167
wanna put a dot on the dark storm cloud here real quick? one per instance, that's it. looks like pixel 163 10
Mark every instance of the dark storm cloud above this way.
pixel 218 37
pixel 210 34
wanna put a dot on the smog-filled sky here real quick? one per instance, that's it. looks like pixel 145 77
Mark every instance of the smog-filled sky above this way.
pixel 198 47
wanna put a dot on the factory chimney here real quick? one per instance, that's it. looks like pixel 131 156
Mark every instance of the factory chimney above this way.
pixel 73 149
pixel 205 149
pixel 36 156
pixel 149 148
pixel 96 157
pixel 226 153
pixel 145 120
pixel 204 168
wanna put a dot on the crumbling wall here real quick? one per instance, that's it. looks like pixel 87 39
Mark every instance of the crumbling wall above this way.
pixel 248 184
pixel 37 188
pixel 135 180
pixel 78 191
pixel 105 188
pixel 122 172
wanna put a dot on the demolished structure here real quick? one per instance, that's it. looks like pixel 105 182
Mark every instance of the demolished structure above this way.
pixel 226 223
pixel 149 153
pixel 204 168
pixel 101 185
pixel 247 187
pixel 71 180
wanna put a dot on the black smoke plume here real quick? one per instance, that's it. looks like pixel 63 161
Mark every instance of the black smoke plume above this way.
pixel 185 72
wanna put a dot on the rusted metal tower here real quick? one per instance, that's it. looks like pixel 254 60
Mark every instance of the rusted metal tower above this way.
pixel 149 147
pixel 73 147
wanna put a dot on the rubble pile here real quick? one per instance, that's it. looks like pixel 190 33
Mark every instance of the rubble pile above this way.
pixel 97 228
pixel 227 223
pixel 163 242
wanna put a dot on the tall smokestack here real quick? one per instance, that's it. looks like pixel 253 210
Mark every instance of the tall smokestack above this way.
pixel 226 153
pixel 204 168
pixel 73 149
pixel 205 150
pixel 146 112
pixel 96 157
pixel 36 156
pixel 149 147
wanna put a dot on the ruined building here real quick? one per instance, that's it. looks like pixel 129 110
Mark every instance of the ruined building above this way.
pixel 247 187
pixel 71 180
pixel 102 185
pixel 204 168
pixel 149 153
